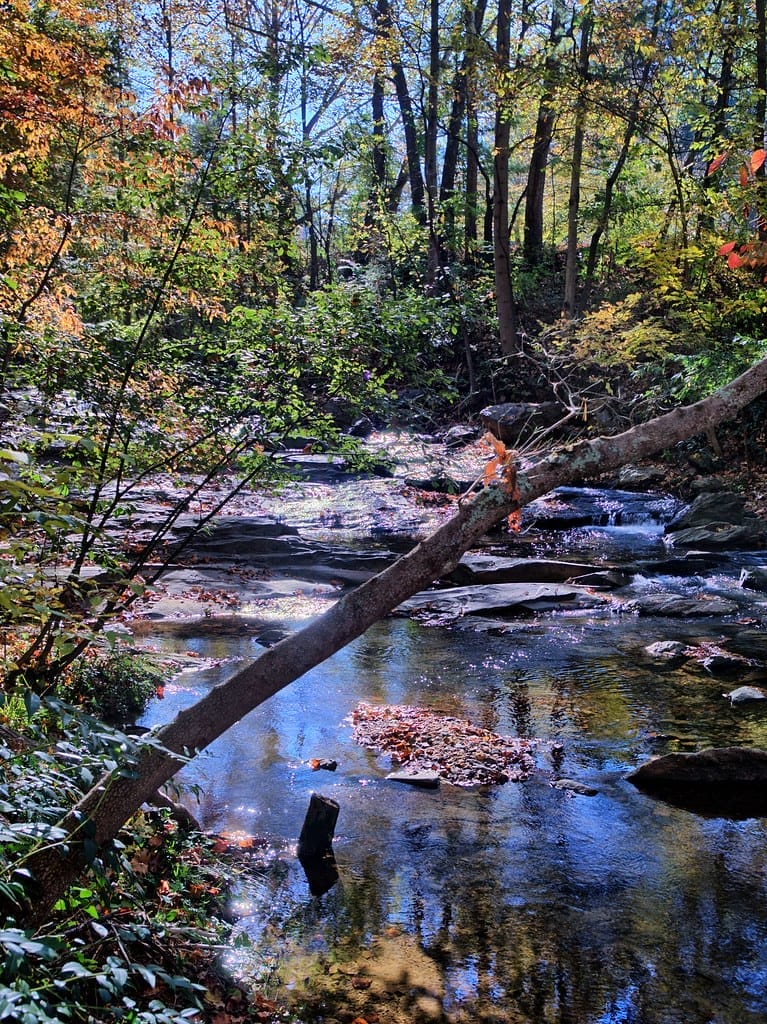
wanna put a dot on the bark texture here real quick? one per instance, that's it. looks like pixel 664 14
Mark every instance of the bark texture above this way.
pixel 105 809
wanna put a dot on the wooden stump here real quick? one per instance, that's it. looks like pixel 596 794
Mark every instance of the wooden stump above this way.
pixel 319 825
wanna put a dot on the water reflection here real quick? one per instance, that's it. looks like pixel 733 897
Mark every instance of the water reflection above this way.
pixel 518 903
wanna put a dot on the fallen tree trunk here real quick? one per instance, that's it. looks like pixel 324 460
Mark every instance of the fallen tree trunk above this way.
pixel 105 809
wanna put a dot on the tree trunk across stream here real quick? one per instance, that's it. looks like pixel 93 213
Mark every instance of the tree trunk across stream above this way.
pixel 608 645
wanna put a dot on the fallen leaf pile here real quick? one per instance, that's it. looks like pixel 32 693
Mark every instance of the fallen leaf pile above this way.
pixel 460 753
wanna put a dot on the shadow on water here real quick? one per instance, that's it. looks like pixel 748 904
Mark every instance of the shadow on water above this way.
pixel 521 902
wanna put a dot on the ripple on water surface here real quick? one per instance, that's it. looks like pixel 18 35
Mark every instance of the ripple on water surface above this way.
pixel 517 902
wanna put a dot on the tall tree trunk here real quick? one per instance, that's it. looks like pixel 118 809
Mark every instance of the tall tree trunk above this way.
pixel 539 159
pixel 574 202
pixel 435 257
pixel 504 293
pixel 384 26
pixel 628 137
pixel 97 818
pixel 462 111
pixel 760 114
pixel 376 200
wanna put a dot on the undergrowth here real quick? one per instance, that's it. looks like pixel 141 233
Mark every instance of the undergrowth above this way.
pixel 136 940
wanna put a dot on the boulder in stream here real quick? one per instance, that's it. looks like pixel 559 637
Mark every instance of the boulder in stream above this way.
pixel 511 420
pixel 717 782
pixel 754 578
pixel 716 520
pixel 480 568
pixel 745 695
pixel 673 652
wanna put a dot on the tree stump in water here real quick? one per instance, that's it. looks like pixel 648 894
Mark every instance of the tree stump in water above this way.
pixel 319 825
pixel 315 851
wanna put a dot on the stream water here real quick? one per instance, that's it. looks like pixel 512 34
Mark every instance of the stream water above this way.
pixel 515 903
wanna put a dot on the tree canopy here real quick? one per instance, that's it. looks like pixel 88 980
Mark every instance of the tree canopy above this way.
pixel 231 223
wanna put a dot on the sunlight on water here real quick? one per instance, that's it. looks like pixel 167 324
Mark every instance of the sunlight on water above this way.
pixel 521 903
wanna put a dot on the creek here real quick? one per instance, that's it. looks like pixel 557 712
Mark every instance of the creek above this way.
pixel 520 902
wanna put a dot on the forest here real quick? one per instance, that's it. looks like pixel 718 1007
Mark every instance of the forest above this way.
pixel 225 224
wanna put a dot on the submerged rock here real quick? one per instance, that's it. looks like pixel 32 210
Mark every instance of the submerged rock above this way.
pixel 573 786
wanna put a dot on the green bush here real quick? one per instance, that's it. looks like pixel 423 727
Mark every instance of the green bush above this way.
pixel 116 686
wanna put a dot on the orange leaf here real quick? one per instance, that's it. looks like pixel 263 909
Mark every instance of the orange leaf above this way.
pixel 743 175
pixel 498 446
pixel 716 163
pixel 734 261
pixel 514 521
pixel 488 474
pixel 727 248
pixel 757 159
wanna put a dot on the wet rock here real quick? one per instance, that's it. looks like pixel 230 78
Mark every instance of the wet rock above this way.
pixel 718 507
pixel 573 786
pixel 691 563
pixel 639 478
pixel 423 777
pixel 500 597
pixel 724 536
pixel 459 436
pixel 479 569
pixel 324 468
pixel 732 765
pixel 604 579
pixel 244 537
pixel 716 520
pixel 441 484
pixel 567 508
pixel 362 427
pixel 671 651
pixel 511 420
pixel 674 606
pixel 722 663
pixel 723 782
pixel 754 578
pixel 745 695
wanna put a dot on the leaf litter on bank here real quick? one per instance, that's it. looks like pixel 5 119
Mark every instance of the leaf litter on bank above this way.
pixel 458 751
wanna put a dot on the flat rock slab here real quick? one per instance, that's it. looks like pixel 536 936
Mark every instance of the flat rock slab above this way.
pixel 481 569
pixel 424 778
pixel 674 606
pixel 500 597
pixel 574 787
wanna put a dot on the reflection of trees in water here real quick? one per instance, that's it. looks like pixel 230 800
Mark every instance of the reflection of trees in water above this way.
pixel 546 939
pixel 536 906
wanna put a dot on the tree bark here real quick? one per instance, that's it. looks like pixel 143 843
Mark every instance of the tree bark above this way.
pixel 504 293
pixel 539 159
pixel 98 817
pixel 574 203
